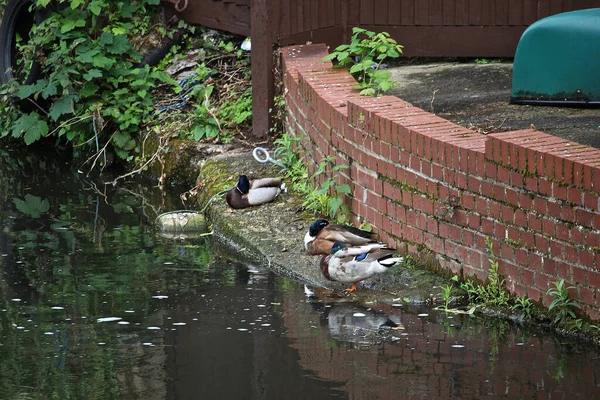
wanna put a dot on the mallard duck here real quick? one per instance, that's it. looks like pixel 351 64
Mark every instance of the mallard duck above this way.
pixel 354 264
pixel 322 235
pixel 260 191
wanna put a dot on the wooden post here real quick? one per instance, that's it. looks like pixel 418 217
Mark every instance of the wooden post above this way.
pixel 264 25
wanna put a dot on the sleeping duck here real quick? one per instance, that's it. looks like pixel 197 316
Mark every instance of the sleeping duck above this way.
pixel 354 264
pixel 322 235
pixel 260 191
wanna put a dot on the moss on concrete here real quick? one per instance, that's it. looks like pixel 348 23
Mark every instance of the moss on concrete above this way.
pixel 273 235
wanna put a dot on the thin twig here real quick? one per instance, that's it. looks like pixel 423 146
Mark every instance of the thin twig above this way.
pixel 433 99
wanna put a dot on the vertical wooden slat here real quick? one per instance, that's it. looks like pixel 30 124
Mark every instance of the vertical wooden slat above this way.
pixel 421 12
pixel 339 11
pixel 474 12
pixel 488 13
pixel 501 12
pixel 316 9
pixel 543 8
pixel 330 20
pixel 300 17
pixel 408 12
pixel 462 12
pixel 321 13
pixel 449 13
pixel 529 12
pixel 367 12
pixel 568 5
pixel 394 12
pixel 515 12
pixel 556 6
pixel 284 21
pixel 381 12
pixel 436 12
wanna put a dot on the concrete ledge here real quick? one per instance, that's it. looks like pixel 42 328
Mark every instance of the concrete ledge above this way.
pixel 272 235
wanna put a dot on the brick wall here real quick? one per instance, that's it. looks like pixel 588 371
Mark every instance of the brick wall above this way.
pixel 425 182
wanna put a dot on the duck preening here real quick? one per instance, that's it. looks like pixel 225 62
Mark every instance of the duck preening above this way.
pixel 246 194
pixel 353 264
pixel 322 235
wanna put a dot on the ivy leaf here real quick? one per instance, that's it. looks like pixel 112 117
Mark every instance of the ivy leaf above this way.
pixel 106 38
pixel 91 74
pixel 120 45
pixel 64 105
pixel 101 61
pixel 50 90
pixel 345 188
pixel 30 124
pixel 32 206
pixel 88 56
pixel 95 7
pixel 70 24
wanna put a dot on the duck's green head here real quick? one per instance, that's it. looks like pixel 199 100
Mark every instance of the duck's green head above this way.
pixel 337 246
pixel 243 184
pixel 317 227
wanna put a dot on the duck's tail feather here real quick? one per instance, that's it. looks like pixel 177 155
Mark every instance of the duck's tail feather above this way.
pixel 388 261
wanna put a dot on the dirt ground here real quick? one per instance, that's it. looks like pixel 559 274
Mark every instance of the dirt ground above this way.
pixel 477 97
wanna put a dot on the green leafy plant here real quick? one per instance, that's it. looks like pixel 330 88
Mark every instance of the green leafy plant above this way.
pixel 447 295
pixel 493 291
pixel 364 57
pixel 325 200
pixel 523 304
pixel 562 306
pixel 92 93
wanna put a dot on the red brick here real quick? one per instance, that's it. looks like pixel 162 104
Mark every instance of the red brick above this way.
pixel 540 205
pixel 580 275
pixel 527 277
pixel 563 232
pixel 534 223
pixel 522 257
pixel 533 293
pixel 545 187
pixel 545 264
pixel 563 270
pixel 548 227
pixel 559 191
pixel 527 239
pixel 574 195
pixel 541 243
pixel 593 239
pixel 590 200
pixel 508 214
pixel 584 218
pixel 567 213
pixel 525 201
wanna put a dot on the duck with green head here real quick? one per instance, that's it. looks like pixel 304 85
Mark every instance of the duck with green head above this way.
pixel 353 264
pixel 248 194
pixel 322 235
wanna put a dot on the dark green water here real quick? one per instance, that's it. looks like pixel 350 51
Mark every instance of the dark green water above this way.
pixel 95 305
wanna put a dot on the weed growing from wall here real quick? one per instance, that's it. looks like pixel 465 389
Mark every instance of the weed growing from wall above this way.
pixel 364 57
pixel 325 200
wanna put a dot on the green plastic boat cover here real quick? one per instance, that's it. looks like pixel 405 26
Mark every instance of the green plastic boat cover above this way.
pixel 558 61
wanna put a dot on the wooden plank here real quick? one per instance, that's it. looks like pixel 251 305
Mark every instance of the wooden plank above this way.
pixel 330 20
pixel 339 11
pixel 422 12
pixel 262 16
pixel 543 8
pixel 320 14
pixel 556 6
pixel 436 12
pixel 299 16
pixel 395 12
pixel 381 12
pixel 488 13
pixel 307 16
pixel 408 12
pixel 449 13
pixel 474 12
pixel 284 21
pixel 462 12
pixel 502 12
pixel 367 12
pixel 515 12
pixel 568 5
pixel 529 11
pixel 315 10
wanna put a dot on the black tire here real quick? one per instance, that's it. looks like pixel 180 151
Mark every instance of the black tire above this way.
pixel 19 20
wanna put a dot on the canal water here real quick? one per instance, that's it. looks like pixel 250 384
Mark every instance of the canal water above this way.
pixel 94 304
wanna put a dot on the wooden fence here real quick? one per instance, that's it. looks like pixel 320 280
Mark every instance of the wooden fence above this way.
pixel 431 28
